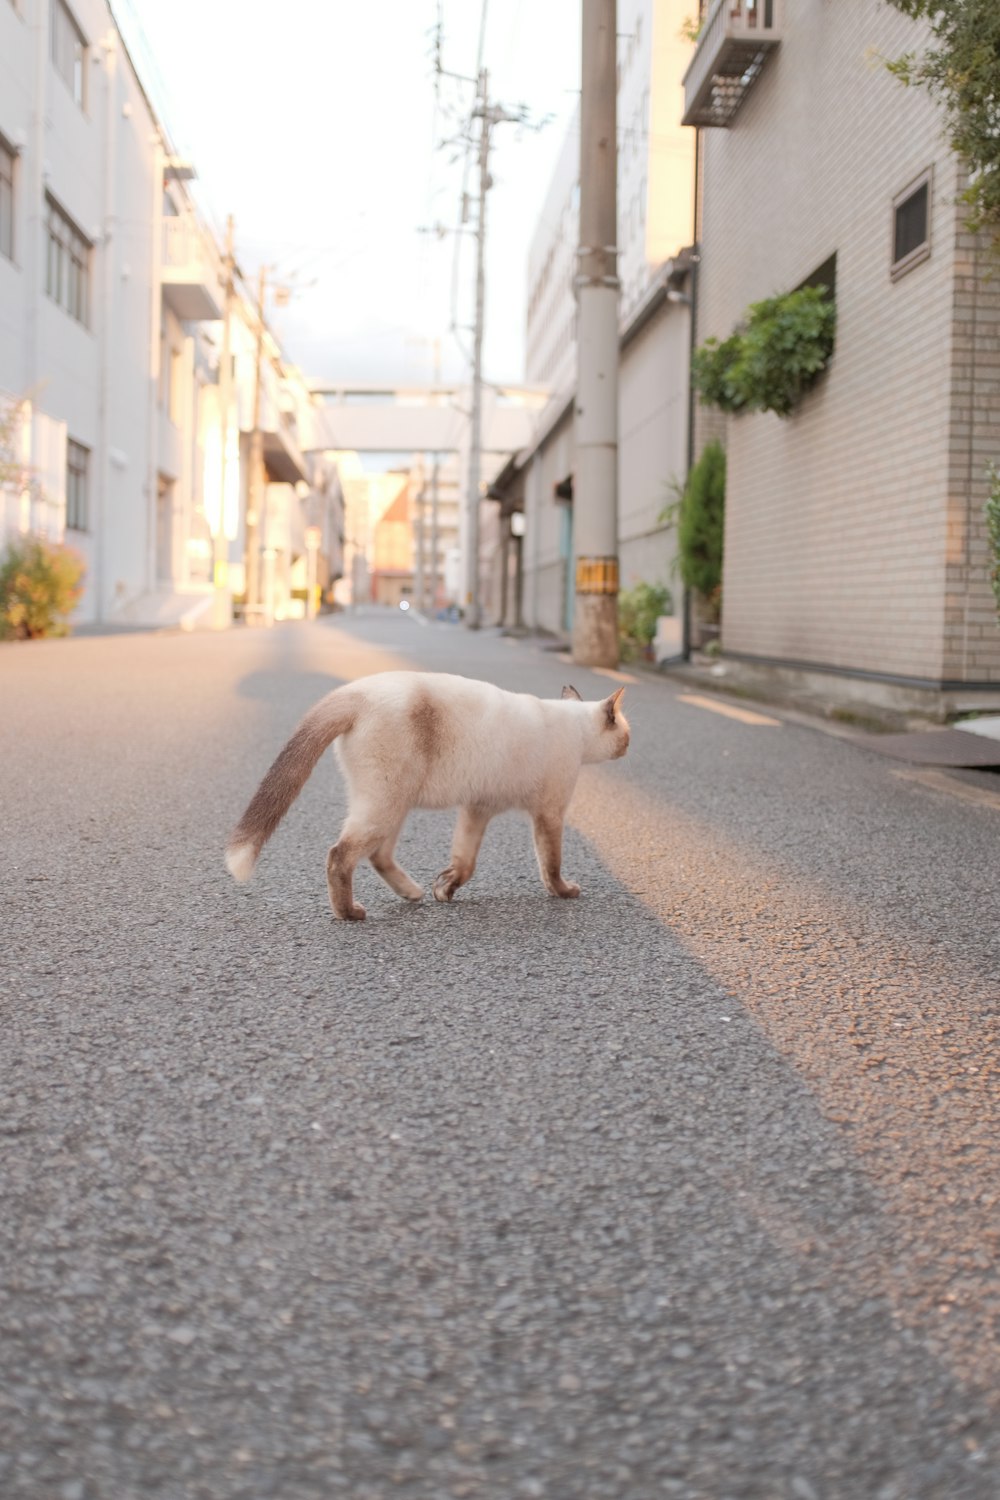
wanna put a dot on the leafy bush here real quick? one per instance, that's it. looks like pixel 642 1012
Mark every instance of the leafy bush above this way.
pixel 715 368
pixel 770 361
pixel 639 608
pixel 40 585
pixel 993 528
pixel 699 513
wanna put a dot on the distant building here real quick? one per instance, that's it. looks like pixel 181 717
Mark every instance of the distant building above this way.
pixel 432 423
pixel 392 545
pixel 436 489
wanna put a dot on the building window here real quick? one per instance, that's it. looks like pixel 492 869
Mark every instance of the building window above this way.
pixel 6 200
pixel 911 225
pixel 69 51
pixel 77 485
pixel 67 266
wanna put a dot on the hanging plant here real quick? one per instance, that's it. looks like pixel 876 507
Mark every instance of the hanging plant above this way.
pixel 772 358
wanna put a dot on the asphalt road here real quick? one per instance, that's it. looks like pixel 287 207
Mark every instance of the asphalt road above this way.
pixel 687 1188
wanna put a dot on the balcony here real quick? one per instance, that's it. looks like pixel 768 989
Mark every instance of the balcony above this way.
pixel 283 457
pixel 191 273
pixel 735 38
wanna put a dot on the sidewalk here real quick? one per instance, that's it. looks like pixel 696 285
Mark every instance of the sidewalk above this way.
pixel 904 734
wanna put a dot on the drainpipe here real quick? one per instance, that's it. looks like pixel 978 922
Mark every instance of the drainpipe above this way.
pixel 692 345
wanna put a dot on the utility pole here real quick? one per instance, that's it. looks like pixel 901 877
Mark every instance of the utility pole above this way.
pixel 488 115
pixel 419 502
pixel 220 557
pixel 595 500
pixel 435 570
pixel 255 495
pixel 482 111
pixel 434 492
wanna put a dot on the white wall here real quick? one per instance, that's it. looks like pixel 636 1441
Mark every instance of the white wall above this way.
pixel 99 164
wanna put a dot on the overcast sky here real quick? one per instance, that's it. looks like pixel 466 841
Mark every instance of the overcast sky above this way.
pixel 314 123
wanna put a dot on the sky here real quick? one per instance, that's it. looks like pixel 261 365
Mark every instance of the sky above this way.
pixel 318 125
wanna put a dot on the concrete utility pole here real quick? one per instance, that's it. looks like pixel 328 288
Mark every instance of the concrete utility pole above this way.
pixel 595 484
pixel 255 487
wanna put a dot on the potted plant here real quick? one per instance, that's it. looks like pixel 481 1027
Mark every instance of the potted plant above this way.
pixel 639 610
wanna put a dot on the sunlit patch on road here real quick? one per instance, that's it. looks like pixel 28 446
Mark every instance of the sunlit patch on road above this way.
pixel 896 1038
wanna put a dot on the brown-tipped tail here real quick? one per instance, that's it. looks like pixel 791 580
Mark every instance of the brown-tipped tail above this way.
pixel 332 716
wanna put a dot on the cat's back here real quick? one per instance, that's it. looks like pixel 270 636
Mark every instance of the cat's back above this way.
pixel 452 739
pixel 445 695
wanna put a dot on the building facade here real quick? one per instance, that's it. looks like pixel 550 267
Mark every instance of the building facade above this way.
pixel 855 537
pixel 656 162
pixel 115 307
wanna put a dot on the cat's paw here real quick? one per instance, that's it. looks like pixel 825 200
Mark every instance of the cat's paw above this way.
pixel 567 889
pixel 446 885
pixel 353 913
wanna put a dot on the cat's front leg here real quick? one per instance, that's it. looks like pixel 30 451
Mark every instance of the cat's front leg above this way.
pixel 384 861
pixel 465 846
pixel 548 847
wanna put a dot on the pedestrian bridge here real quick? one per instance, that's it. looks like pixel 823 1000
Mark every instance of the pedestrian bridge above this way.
pixel 424 418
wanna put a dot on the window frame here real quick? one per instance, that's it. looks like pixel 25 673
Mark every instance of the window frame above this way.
pixel 921 252
pixel 77 486
pixel 68 51
pixel 67 262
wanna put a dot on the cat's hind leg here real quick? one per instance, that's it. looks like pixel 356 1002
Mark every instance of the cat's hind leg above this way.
pixel 465 846
pixel 359 839
pixel 383 861
pixel 548 846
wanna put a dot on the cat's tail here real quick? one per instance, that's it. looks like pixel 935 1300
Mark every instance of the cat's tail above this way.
pixel 333 715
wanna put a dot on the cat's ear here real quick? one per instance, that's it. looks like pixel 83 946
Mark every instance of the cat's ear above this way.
pixel 571 692
pixel 610 706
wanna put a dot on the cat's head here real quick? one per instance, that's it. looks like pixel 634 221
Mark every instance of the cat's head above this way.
pixel 609 736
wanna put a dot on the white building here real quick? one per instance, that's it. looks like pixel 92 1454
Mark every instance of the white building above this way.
pixel 111 300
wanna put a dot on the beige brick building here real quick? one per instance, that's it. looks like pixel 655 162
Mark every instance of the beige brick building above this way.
pixel 855 536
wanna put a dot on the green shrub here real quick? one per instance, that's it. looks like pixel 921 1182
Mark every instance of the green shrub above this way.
pixel 40 585
pixel 993 528
pixel 769 362
pixel 639 608
pixel 700 515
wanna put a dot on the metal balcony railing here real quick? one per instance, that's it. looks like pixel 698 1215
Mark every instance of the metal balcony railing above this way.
pixel 735 38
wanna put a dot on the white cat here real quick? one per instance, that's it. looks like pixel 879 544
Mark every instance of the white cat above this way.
pixel 429 739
